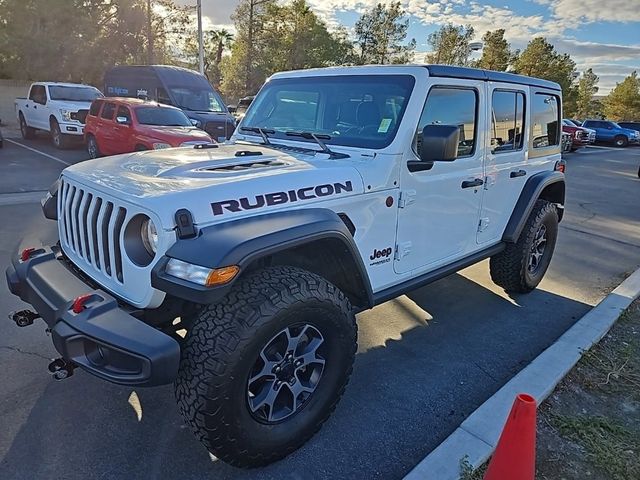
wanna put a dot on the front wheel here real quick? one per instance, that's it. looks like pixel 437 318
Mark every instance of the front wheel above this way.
pixel 58 138
pixel 92 147
pixel 264 368
pixel 620 141
pixel 519 268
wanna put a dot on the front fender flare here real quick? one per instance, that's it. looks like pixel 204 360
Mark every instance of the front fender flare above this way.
pixel 241 242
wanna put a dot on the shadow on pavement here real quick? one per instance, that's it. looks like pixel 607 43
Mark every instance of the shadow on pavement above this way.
pixel 457 340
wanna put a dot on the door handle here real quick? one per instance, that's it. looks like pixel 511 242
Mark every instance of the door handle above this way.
pixel 519 173
pixel 478 182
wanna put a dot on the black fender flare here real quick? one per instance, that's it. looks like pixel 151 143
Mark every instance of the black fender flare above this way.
pixel 241 242
pixel 531 192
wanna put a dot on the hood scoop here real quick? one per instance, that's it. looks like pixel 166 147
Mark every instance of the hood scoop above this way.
pixel 248 165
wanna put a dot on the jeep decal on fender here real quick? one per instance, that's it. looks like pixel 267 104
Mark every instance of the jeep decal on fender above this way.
pixel 278 198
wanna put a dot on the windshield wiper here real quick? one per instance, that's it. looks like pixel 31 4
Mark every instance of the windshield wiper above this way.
pixel 318 138
pixel 263 132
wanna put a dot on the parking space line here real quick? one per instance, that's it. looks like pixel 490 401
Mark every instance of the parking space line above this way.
pixel 19 198
pixel 38 151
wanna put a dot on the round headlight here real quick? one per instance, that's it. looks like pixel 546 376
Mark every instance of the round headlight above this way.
pixel 149 236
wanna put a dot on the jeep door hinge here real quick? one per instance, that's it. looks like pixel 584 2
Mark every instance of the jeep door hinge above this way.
pixel 407 197
pixel 483 224
pixel 402 250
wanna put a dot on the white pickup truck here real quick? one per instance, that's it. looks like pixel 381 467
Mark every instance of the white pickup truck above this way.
pixel 58 108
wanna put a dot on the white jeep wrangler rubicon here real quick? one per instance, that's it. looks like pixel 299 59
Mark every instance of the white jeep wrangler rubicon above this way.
pixel 236 270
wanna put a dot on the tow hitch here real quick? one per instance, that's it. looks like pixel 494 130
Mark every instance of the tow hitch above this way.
pixel 24 318
pixel 61 368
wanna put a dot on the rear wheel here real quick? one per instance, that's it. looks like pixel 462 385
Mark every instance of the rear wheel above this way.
pixel 519 268
pixel 92 147
pixel 264 368
pixel 27 132
pixel 620 141
pixel 58 138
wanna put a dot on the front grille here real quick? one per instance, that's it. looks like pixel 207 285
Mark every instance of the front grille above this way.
pixel 91 227
pixel 80 116
pixel 217 130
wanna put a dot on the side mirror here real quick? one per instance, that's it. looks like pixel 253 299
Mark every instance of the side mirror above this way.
pixel 232 108
pixel 122 120
pixel 195 123
pixel 437 143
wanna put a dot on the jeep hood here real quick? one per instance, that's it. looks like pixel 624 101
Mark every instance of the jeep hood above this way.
pixel 163 181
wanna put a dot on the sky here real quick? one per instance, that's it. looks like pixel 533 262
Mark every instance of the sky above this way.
pixel 599 34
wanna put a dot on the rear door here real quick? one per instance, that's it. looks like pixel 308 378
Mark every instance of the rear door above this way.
pixel 105 131
pixel 36 114
pixel 505 166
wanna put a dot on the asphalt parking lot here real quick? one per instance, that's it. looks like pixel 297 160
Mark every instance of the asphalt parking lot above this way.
pixel 425 360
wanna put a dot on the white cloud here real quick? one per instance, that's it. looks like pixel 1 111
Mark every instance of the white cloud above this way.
pixel 596 10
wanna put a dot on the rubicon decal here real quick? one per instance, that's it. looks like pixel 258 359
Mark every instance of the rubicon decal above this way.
pixel 279 198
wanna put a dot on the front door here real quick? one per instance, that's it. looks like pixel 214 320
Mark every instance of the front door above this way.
pixel 439 207
pixel 122 141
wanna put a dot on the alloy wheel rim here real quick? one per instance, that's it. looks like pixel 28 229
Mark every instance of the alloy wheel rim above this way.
pixel 286 373
pixel 56 136
pixel 92 148
pixel 538 247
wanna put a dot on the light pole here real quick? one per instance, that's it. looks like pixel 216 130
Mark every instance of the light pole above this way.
pixel 200 39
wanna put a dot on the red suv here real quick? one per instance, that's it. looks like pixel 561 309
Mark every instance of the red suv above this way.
pixel 580 136
pixel 123 125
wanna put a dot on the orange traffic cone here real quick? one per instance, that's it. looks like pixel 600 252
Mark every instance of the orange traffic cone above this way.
pixel 515 455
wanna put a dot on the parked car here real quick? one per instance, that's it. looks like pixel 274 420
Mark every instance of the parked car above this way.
pixel 240 109
pixel 122 125
pixel 580 136
pixel 57 108
pixel 342 189
pixel 566 145
pixel 611 132
pixel 180 87
pixel 630 125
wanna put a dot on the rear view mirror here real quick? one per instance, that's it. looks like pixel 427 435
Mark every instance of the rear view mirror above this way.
pixel 122 120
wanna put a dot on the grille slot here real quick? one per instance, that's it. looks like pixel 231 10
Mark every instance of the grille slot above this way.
pixel 92 229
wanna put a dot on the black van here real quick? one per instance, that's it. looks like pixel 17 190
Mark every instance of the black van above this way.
pixel 180 87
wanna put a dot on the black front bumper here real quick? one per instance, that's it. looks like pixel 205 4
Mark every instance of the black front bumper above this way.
pixel 104 339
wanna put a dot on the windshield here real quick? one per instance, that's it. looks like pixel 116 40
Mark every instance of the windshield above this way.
pixel 568 123
pixel 197 99
pixel 74 94
pixel 353 110
pixel 162 116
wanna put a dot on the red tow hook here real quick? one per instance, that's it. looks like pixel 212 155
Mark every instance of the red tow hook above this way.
pixel 26 253
pixel 79 303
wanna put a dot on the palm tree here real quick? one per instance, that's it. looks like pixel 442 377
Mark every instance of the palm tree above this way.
pixel 222 39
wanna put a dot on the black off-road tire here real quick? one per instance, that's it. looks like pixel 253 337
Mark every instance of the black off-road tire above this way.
pixel 28 132
pixel 223 344
pixel 509 269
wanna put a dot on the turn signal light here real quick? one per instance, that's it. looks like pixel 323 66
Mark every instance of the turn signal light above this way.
pixel 220 276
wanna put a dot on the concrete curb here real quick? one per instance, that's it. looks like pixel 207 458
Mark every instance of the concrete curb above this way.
pixel 478 435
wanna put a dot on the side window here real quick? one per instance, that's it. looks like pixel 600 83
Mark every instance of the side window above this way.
pixel 545 120
pixel 450 106
pixel 125 113
pixel 38 94
pixel 95 108
pixel 108 111
pixel 507 121
pixel 162 96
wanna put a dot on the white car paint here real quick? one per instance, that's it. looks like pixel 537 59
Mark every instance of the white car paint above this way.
pixel 425 219
pixel 38 115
